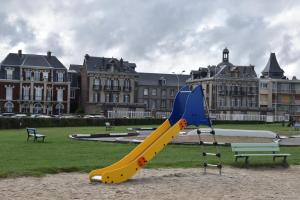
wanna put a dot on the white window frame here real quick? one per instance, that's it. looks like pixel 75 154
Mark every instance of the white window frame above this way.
pixel 9 93
pixel 60 95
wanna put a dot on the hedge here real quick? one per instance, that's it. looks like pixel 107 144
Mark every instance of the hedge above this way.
pixel 12 123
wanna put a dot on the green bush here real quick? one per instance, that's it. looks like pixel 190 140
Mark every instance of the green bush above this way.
pixel 12 123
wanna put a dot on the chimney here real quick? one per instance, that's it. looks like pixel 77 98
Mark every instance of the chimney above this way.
pixel 49 54
pixel 20 52
pixel 86 56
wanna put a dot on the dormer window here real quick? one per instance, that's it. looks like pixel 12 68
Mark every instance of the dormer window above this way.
pixel 9 73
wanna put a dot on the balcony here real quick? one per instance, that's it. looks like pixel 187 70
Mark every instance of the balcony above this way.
pixel 112 88
pixel 97 87
pixel 127 88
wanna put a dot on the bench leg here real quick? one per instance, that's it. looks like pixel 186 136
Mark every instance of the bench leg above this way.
pixel 43 139
pixel 246 161
pixel 27 138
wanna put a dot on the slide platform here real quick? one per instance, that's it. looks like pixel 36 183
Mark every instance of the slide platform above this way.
pixel 188 109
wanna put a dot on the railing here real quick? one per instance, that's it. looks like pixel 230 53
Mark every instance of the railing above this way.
pixel 247 117
pixel 97 87
pixel 224 117
pixel 127 88
pixel 112 88
pixel 128 114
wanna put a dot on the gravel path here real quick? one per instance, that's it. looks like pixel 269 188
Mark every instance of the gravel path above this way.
pixel 279 183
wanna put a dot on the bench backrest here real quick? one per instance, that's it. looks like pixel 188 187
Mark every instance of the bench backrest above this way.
pixel 31 130
pixel 252 147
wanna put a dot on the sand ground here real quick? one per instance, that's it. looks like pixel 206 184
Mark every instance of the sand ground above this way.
pixel 235 183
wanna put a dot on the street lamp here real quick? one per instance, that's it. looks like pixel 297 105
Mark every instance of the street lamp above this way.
pixel 178 78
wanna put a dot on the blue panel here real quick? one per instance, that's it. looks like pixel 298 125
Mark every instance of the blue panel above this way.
pixel 194 110
pixel 179 105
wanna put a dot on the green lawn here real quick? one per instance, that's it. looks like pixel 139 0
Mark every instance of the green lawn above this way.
pixel 59 153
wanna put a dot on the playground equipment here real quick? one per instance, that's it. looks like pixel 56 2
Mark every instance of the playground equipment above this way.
pixel 188 109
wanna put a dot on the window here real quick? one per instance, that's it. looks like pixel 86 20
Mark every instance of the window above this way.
pixel 96 81
pixel 171 104
pixel 38 93
pixel 163 103
pixel 9 92
pixel 126 98
pixel 37 108
pixel 97 84
pixel 146 103
pixel 153 104
pixel 146 91
pixel 126 83
pixel 107 97
pixel 26 93
pixel 60 94
pixel 60 76
pixel 163 93
pixel 96 97
pixel 115 98
pixel 25 108
pixel 263 85
pixel 49 94
pixel 45 76
pixel 9 107
pixel 73 94
pixel 172 92
pixel 27 75
pixel 59 108
pixel 153 92
pixel 37 76
pixel 9 73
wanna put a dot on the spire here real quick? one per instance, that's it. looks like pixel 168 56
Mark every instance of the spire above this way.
pixel 225 55
pixel 273 69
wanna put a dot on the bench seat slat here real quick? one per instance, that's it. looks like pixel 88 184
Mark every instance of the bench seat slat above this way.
pixel 255 149
pixel 275 154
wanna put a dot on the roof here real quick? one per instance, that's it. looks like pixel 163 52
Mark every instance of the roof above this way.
pixel 92 63
pixel 152 79
pixel 32 60
pixel 273 69
pixel 75 67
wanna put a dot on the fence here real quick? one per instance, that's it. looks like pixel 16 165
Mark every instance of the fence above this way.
pixel 223 117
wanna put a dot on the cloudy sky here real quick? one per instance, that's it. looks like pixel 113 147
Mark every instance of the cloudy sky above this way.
pixel 158 35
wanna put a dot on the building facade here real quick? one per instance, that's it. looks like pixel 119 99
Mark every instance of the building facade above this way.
pixel 157 91
pixel 108 84
pixel 277 94
pixel 31 83
pixel 75 94
pixel 228 88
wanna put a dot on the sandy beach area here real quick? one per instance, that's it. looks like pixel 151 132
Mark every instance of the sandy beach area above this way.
pixel 235 183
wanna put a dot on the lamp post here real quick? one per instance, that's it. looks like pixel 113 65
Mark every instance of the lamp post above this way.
pixel 178 78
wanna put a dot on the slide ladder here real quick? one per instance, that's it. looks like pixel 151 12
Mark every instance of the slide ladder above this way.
pixel 188 109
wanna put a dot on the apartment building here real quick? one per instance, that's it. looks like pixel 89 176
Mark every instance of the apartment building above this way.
pixel 277 94
pixel 31 83
pixel 228 88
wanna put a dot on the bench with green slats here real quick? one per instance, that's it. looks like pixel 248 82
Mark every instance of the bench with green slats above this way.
pixel 246 150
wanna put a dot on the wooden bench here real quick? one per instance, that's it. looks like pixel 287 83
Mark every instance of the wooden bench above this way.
pixel 32 132
pixel 108 126
pixel 246 150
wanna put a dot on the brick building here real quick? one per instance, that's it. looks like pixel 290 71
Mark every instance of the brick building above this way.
pixel 31 83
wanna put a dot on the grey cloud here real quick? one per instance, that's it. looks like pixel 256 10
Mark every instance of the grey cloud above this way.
pixel 140 29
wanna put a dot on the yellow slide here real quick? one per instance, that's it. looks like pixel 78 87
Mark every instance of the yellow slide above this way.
pixel 139 156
